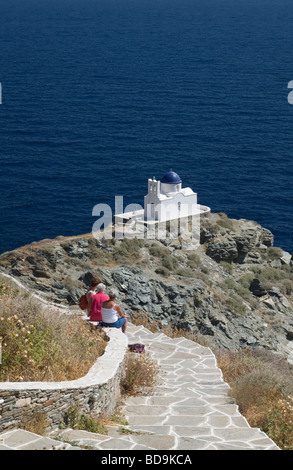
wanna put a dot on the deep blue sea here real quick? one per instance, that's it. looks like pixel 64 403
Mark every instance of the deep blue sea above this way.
pixel 100 95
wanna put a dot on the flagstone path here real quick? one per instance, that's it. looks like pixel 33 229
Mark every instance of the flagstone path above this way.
pixel 189 408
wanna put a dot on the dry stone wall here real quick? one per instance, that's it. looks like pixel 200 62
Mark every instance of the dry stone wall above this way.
pixel 97 392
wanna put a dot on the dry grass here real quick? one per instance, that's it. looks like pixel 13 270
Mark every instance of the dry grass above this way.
pixel 42 346
pixel 262 385
pixel 140 373
pixel 36 423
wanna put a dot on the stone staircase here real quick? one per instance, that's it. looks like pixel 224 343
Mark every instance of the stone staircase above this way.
pixel 189 408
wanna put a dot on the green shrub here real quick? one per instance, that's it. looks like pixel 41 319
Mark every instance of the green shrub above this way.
pixel 245 280
pixel 158 250
pixel 193 260
pixel 128 250
pixel 274 252
pixel 168 261
pixel 163 271
pixel 185 272
pixel 227 266
pixel 239 289
pixel 287 286
pixel 270 273
pixel 77 420
pixel 235 304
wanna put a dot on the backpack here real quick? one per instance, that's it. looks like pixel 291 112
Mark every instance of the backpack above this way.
pixel 139 348
pixel 83 303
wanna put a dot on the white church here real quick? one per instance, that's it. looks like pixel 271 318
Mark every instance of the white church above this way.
pixel 166 200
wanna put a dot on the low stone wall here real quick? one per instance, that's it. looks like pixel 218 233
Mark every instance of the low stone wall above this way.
pixel 97 392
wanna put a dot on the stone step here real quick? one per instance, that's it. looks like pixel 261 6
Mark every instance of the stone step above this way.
pixel 192 401
pixel 19 439
pixel 126 439
pixel 188 409
pixel 142 437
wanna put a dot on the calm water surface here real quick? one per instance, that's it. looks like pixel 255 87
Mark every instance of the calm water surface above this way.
pixel 100 95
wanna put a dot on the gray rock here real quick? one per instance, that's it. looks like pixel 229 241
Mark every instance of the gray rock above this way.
pixel 266 237
pixel 223 249
pixel 286 258
pixel 257 288
pixel 226 315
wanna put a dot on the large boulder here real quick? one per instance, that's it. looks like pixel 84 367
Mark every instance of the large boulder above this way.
pixel 257 288
pixel 223 249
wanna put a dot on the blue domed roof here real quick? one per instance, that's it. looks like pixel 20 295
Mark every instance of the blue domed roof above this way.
pixel 171 178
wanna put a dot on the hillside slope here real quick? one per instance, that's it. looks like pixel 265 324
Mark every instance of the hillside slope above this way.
pixel 234 291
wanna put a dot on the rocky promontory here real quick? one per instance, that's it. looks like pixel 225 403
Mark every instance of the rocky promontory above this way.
pixel 234 291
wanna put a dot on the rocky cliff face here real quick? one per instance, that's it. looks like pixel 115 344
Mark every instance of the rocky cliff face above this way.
pixel 235 290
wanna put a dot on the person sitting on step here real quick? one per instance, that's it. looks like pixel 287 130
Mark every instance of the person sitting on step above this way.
pixel 96 303
pixel 90 292
pixel 112 315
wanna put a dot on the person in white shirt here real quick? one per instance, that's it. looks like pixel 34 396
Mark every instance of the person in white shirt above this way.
pixel 112 315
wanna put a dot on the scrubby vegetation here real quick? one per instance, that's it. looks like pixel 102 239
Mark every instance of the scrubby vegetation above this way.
pixel 262 385
pixel 112 251
pixel 140 373
pixel 42 346
pixel 84 421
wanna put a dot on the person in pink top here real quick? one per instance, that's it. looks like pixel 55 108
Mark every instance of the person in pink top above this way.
pixel 96 304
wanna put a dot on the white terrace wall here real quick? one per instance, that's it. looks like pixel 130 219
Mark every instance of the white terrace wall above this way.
pixel 97 392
